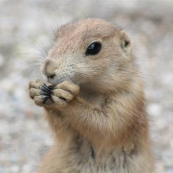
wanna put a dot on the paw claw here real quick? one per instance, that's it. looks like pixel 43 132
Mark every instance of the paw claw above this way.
pixel 40 93
pixel 45 89
pixel 47 95
pixel 50 87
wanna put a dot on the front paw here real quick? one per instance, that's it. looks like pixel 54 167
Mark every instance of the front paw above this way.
pixel 64 93
pixel 40 93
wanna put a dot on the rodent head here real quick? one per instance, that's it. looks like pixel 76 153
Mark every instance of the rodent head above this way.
pixel 91 53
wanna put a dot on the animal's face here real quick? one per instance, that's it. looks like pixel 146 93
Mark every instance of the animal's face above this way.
pixel 89 52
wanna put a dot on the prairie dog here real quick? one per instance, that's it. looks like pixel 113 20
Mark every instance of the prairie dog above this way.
pixel 93 100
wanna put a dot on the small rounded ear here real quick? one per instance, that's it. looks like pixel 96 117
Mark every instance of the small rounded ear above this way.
pixel 125 42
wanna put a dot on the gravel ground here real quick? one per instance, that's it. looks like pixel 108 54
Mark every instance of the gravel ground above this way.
pixel 27 25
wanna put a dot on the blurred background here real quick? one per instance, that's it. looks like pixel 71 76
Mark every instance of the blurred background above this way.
pixel 27 32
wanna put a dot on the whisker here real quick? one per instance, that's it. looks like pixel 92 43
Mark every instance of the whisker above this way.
pixel 52 23
pixel 34 56
pixel 30 71
pixel 32 44
pixel 57 9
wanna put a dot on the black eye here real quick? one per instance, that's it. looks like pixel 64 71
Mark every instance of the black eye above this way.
pixel 93 48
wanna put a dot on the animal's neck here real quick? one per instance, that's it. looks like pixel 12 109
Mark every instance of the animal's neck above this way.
pixel 92 96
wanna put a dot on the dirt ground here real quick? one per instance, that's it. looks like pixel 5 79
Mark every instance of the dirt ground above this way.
pixel 27 25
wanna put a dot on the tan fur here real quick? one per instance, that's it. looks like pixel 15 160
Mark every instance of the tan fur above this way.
pixel 101 126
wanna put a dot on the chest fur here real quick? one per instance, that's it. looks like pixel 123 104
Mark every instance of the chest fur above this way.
pixel 83 158
pixel 94 98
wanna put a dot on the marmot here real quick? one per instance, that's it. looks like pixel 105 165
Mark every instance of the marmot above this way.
pixel 93 98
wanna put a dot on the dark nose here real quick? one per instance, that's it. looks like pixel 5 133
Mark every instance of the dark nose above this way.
pixel 49 68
